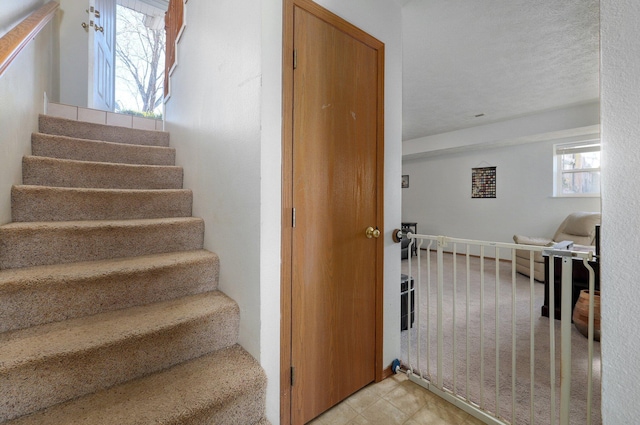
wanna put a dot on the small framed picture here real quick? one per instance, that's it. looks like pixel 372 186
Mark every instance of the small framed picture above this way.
pixel 483 182
pixel 405 181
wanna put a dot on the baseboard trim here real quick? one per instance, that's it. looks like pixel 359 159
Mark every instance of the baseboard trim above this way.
pixel 386 373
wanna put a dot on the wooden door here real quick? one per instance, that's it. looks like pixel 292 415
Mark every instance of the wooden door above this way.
pixel 102 39
pixel 336 193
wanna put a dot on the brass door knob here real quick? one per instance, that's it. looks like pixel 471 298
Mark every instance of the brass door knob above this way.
pixel 372 233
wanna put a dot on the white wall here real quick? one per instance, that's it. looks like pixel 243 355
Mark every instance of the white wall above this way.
pixel 620 66
pixel 214 120
pixel 270 201
pixel 439 194
pixel 22 87
pixel 224 116
pixel 14 11
pixel 214 116
pixel 73 51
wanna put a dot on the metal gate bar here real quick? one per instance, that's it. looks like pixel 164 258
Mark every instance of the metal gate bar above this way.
pixel 421 345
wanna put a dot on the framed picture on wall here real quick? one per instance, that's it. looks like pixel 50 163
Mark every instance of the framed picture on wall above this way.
pixel 405 181
pixel 483 182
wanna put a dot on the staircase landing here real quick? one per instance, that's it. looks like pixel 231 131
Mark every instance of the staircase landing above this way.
pixel 102 117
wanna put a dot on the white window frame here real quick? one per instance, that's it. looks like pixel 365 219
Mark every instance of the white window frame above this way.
pixel 592 145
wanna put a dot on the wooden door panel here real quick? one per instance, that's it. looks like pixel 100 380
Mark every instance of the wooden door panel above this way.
pixel 334 193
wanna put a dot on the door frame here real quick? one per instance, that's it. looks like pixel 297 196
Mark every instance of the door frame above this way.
pixel 287 191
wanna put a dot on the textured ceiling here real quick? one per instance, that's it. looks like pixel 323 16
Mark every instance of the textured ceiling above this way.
pixel 500 58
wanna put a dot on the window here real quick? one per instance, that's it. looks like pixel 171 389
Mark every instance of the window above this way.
pixel 577 168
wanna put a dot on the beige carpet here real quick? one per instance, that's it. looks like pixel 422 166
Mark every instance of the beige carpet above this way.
pixel 483 391
pixel 110 311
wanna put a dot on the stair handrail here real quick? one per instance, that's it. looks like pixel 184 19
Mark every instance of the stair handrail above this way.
pixel 12 43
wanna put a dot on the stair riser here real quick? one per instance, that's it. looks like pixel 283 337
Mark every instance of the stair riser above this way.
pixel 35 203
pixel 37 385
pixel 87 150
pixel 40 171
pixel 64 296
pixel 241 410
pixel 85 130
pixel 41 245
pixel 223 387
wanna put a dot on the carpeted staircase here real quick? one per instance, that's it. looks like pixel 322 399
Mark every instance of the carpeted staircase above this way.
pixel 109 308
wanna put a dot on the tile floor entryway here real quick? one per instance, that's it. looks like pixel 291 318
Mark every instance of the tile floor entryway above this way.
pixel 395 401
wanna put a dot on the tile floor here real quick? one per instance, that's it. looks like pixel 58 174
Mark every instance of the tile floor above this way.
pixel 395 401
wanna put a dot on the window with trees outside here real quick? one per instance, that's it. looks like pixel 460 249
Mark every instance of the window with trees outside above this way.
pixel 577 169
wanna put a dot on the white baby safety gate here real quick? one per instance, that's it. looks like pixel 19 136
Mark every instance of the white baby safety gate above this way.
pixel 480 342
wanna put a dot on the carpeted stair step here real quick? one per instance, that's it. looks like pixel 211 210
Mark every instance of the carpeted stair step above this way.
pixel 107 133
pixel 38 295
pixel 64 147
pixel 226 387
pixel 42 243
pixel 49 364
pixel 43 171
pixel 109 308
pixel 44 203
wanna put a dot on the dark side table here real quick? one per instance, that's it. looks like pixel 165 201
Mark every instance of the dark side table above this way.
pixel 407 295
pixel 579 281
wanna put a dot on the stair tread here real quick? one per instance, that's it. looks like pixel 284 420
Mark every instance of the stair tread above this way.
pixel 115 165
pixel 17 279
pixel 94 224
pixel 86 130
pixel 206 384
pixel 90 149
pixel 98 141
pixel 45 171
pixel 26 244
pixel 26 346
pixel 54 203
pixel 37 188
pixel 43 294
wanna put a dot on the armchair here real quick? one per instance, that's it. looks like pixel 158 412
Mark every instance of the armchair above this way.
pixel 578 227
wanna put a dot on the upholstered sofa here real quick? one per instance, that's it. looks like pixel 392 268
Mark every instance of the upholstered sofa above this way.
pixel 578 227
